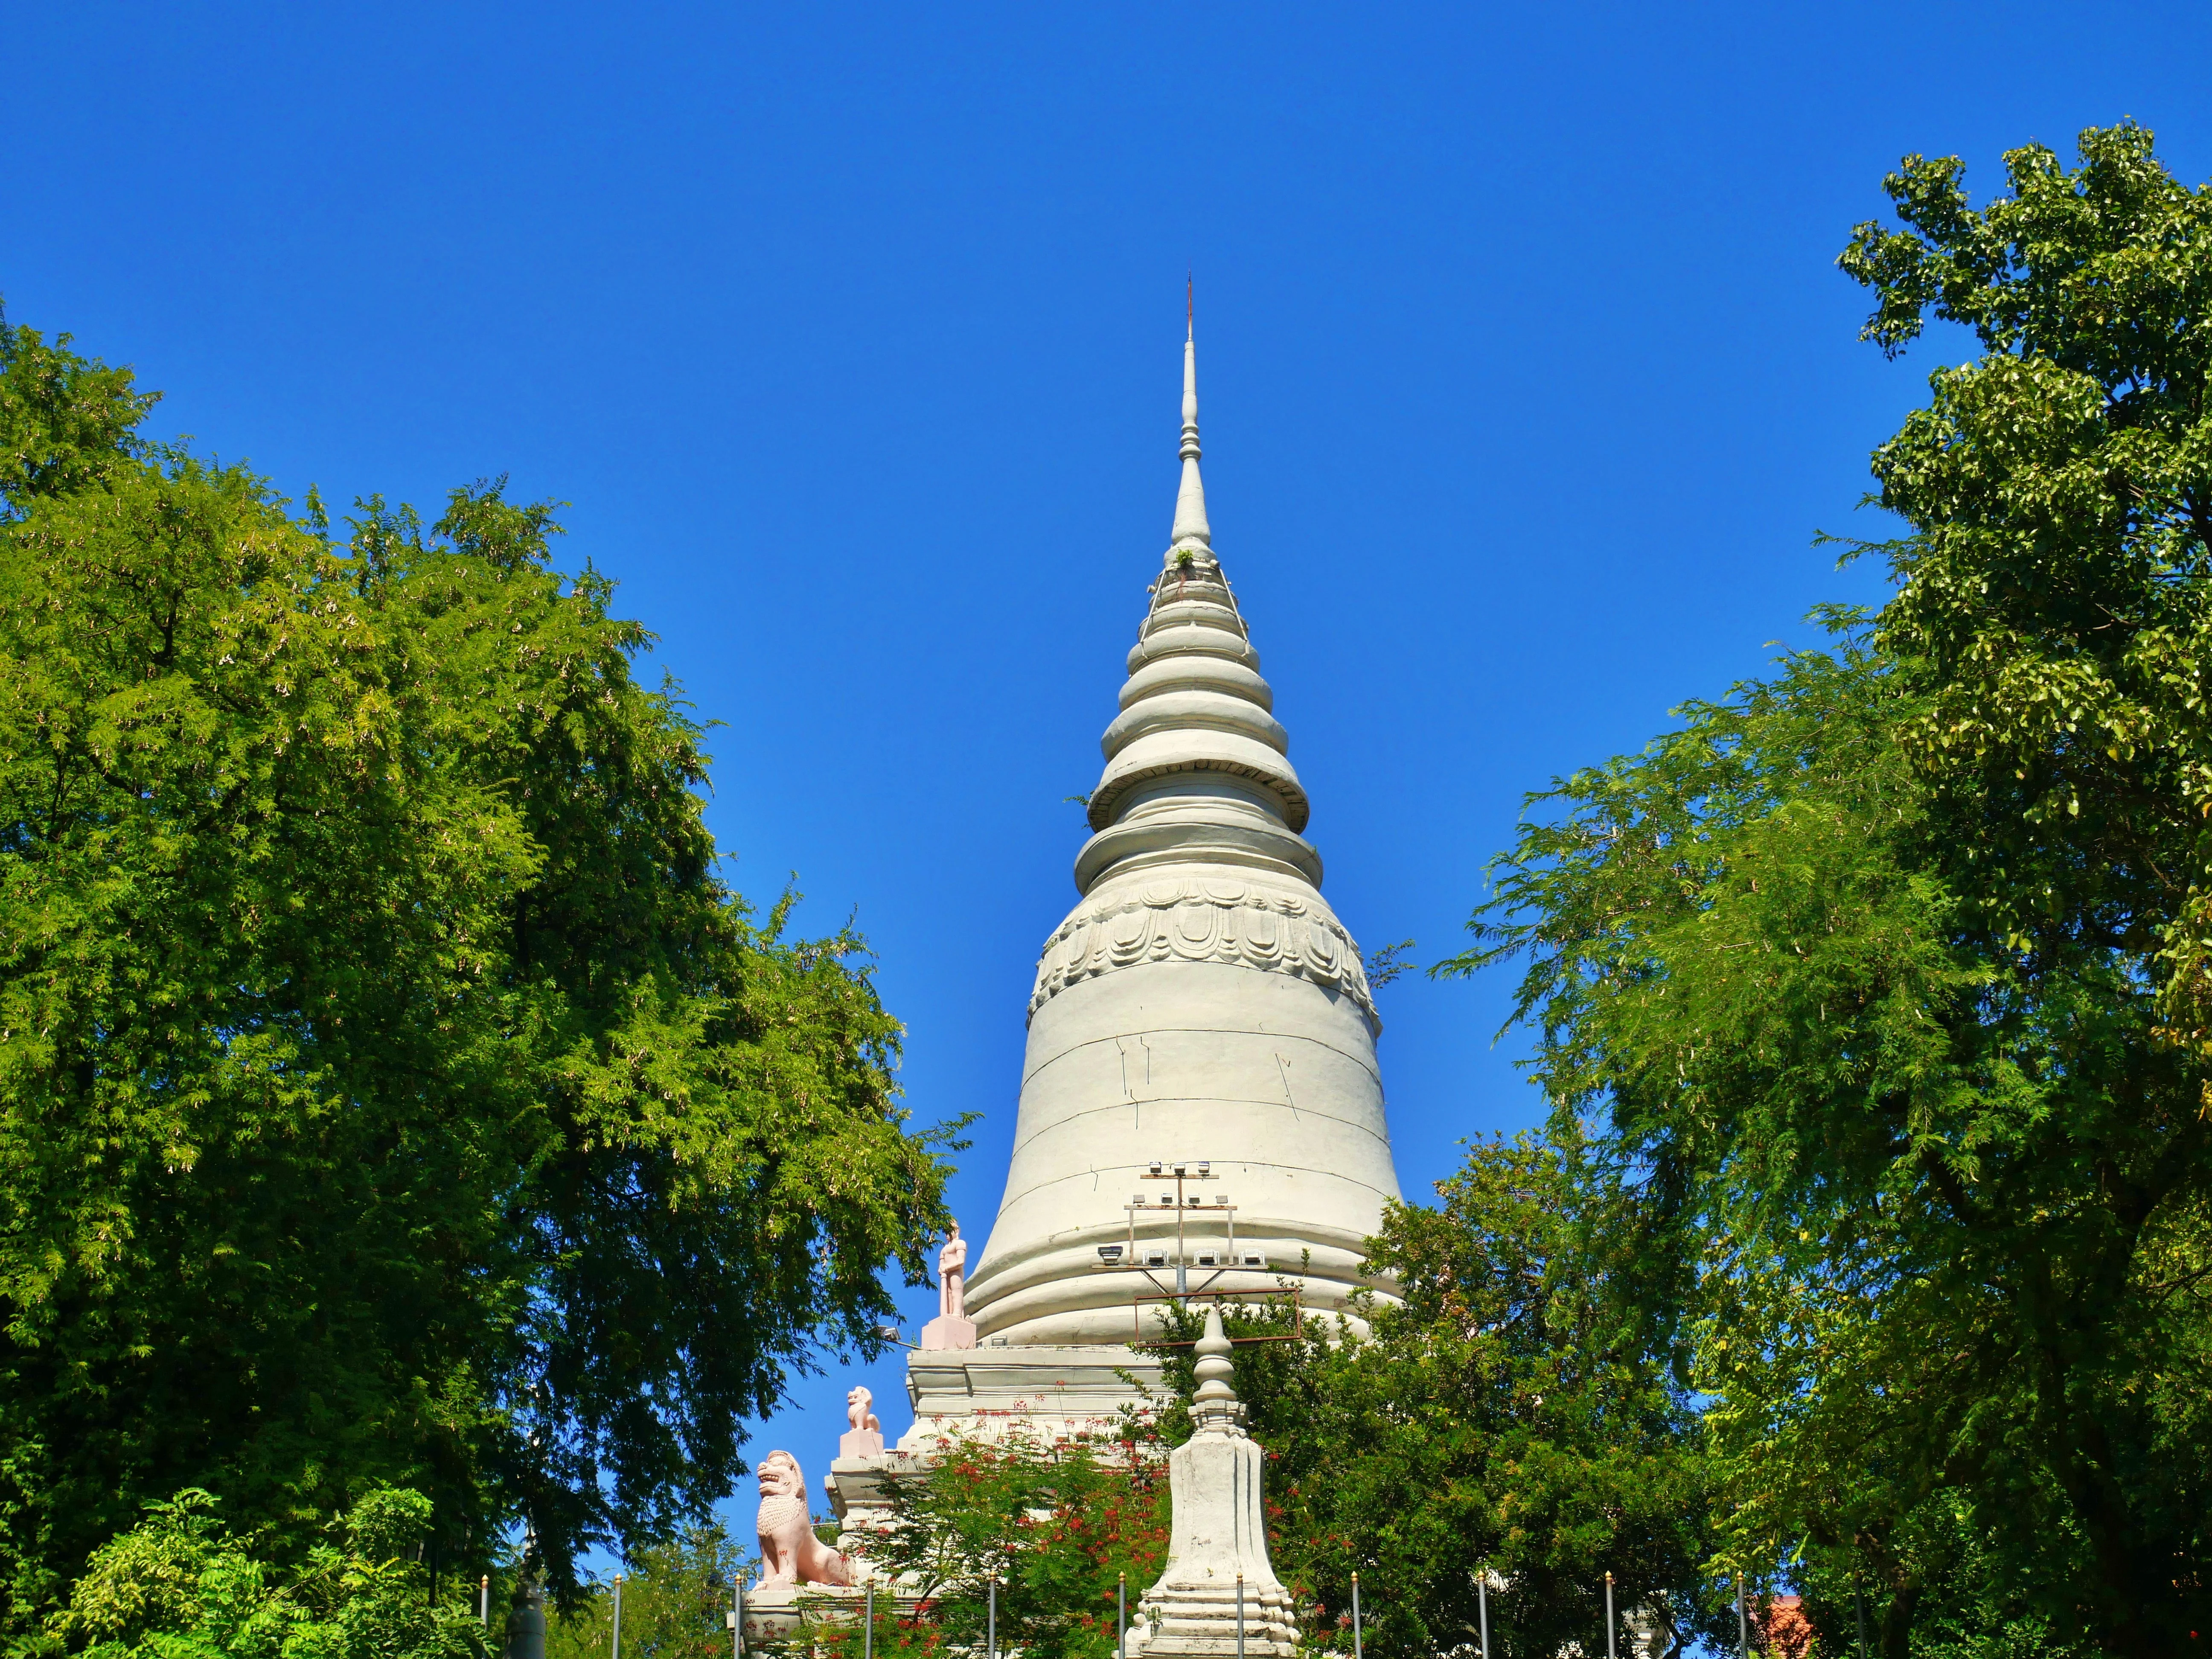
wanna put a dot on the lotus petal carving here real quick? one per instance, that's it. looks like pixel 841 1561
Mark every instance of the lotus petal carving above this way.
pixel 1241 923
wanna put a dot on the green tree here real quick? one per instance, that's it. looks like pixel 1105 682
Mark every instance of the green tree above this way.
pixel 1511 1411
pixel 391 1090
pixel 65 422
pixel 675 1598
pixel 181 1585
pixel 1885 977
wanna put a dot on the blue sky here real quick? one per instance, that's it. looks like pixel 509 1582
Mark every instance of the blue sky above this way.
pixel 852 334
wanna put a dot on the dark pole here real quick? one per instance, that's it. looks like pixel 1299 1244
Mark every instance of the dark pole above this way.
pixel 1482 1599
pixel 738 1615
pixel 617 1644
pixel 1858 1597
pixel 1742 1623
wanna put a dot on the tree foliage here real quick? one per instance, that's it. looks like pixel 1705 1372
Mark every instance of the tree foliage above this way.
pixel 1882 982
pixel 1513 1414
pixel 66 421
pixel 392 1090
pixel 182 1585
pixel 675 1598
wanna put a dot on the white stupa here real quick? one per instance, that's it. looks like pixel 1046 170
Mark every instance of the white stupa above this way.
pixel 1201 1005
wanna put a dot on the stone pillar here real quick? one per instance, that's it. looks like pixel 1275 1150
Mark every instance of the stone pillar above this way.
pixel 1218 1536
pixel 525 1623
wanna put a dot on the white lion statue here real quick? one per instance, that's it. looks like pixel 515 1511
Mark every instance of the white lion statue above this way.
pixel 790 1552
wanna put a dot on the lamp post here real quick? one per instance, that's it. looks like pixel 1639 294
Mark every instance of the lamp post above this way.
pixel 1121 1618
pixel 1612 1651
pixel 1742 1623
pixel 1357 1651
pixel 617 1647
pixel 1482 1602
pixel 991 1638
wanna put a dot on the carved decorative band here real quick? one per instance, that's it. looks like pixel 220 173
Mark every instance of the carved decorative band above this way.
pixel 1227 922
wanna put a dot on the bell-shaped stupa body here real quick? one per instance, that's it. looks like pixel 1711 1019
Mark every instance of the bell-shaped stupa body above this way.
pixel 1202 1004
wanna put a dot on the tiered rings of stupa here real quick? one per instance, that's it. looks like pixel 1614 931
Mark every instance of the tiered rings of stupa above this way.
pixel 1200 1004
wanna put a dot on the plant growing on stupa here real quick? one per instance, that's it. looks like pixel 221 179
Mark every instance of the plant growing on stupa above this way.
pixel 391 1090
pixel 1885 979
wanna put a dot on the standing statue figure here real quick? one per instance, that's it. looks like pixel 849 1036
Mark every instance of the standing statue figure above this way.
pixel 865 1438
pixel 952 1276
pixel 951 1328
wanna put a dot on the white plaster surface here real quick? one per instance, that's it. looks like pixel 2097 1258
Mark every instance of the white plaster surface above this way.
pixel 1050 1393
pixel 1201 1001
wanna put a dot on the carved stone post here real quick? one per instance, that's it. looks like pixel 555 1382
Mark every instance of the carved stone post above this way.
pixel 1218 1535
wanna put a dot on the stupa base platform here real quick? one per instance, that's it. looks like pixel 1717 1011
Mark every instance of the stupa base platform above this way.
pixel 1052 1393
pixel 1196 1618
pixel 1038 1395
pixel 783 1611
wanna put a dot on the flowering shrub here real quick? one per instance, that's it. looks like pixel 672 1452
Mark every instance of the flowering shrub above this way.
pixel 1059 1525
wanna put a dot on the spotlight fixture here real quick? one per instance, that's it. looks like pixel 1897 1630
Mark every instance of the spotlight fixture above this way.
pixel 1110 1254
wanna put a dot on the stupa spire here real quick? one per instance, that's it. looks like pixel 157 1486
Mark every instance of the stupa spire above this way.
pixel 1191 529
pixel 1201 1002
